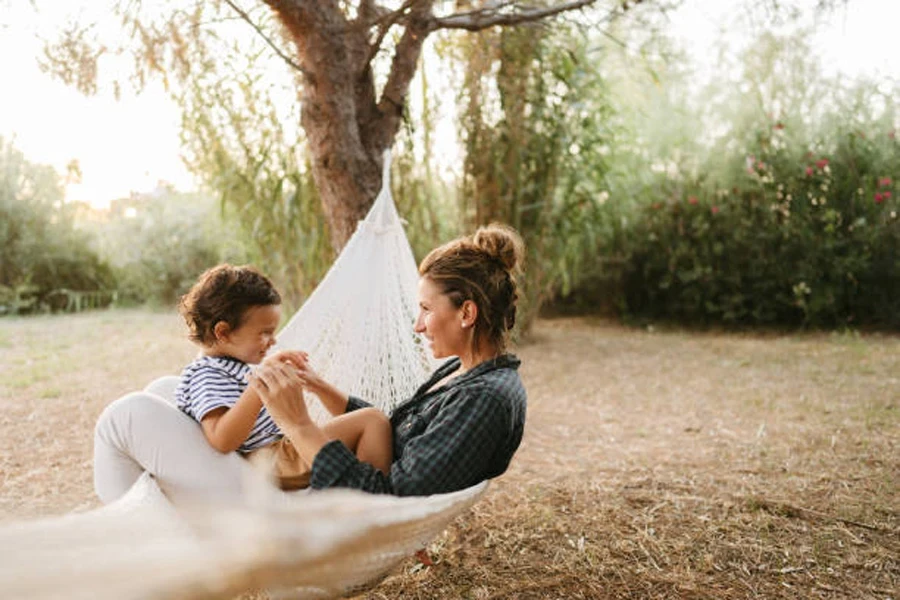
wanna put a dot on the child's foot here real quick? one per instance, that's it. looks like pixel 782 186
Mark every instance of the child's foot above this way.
pixel 293 482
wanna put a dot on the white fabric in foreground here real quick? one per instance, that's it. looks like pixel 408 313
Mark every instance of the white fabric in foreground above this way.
pixel 316 545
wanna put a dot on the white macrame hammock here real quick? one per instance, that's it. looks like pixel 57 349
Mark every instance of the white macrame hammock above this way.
pixel 358 329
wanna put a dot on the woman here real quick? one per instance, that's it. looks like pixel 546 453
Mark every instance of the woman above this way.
pixel 462 426
pixel 465 423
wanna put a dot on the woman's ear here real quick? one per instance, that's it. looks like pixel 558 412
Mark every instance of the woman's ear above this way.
pixel 469 313
pixel 221 330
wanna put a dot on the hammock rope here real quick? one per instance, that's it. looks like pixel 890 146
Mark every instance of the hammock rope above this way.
pixel 358 329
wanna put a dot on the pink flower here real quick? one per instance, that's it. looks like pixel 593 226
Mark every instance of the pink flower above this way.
pixel 821 163
pixel 760 165
pixel 714 210
pixel 884 181
pixel 887 195
pixel 879 198
pixel 692 200
pixel 809 171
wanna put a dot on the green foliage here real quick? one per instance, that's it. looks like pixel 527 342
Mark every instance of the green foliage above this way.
pixel 765 198
pixel 248 149
pixel 425 199
pixel 806 231
pixel 158 244
pixel 535 149
pixel 40 251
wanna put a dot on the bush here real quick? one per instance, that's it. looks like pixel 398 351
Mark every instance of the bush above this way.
pixel 159 244
pixel 812 241
pixel 40 250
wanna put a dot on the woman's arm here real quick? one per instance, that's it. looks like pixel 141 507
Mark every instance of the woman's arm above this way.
pixel 227 428
pixel 280 388
pixel 456 450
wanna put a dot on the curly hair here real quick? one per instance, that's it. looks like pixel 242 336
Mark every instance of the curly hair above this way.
pixel 481 268
pixel 224 293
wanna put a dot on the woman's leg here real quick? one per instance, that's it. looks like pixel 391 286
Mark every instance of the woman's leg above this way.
pixel 367 433
pixel 143 432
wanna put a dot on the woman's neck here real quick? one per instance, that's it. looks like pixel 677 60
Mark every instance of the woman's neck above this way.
pixel 475 356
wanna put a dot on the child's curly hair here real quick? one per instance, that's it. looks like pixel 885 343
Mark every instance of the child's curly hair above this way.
pixel 224 293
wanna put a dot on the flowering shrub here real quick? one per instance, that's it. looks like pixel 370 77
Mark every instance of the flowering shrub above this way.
pixel 800 236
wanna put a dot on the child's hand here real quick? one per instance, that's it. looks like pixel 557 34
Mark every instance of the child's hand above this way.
pixel 311 380
pixel 295 358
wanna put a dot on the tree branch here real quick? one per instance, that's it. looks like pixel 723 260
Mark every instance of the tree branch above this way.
pixel 369 12
pixel 403 68
pixel 483 18
pixel 293 64
pixel 385 22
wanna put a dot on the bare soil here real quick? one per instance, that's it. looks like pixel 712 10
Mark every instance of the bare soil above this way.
pixel 655 464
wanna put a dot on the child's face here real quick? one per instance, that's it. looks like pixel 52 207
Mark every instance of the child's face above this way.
pixel 250 341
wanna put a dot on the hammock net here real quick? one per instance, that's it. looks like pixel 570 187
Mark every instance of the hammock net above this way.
pixel 358 329
pixel 358 323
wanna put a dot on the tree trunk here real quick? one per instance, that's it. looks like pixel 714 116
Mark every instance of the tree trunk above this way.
pixel 347 130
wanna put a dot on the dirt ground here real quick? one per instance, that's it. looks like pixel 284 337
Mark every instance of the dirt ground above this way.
pixel 655 464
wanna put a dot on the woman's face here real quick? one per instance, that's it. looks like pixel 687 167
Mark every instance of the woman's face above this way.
pixel 442 323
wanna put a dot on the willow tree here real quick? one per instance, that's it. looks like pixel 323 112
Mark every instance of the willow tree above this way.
pixel 331 45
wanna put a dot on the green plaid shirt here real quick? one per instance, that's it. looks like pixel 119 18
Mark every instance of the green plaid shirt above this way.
pixel 445 440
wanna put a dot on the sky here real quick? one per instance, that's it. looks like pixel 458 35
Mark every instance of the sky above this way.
pixel 132 144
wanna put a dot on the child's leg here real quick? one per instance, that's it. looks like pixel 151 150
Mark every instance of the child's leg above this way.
pixel 281 461
pixel 367 433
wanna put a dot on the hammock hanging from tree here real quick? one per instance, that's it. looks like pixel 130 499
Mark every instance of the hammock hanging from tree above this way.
pixel 358 323
pixel 358 329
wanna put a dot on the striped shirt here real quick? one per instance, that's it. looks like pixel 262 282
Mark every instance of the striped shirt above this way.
pixel 212 382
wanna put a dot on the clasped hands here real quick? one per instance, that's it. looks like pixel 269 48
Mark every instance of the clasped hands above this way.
pixel 280 381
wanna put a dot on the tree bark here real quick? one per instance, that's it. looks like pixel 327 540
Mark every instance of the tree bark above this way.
pixel 348 127
pixel 337 96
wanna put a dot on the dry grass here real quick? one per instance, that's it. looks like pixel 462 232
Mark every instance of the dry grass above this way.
pixel 655 465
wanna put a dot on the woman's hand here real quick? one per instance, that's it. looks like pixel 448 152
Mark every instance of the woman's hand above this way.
pixel 280 388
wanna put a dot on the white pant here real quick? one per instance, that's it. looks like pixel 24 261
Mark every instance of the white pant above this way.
pixel 144 431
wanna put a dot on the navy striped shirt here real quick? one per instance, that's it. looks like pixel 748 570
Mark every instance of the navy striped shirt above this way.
pixel 212 382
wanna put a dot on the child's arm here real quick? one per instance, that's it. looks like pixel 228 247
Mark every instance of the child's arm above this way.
pixel 334 400
pixel 227 428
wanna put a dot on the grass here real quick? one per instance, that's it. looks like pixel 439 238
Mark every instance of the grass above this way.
pixel 656 464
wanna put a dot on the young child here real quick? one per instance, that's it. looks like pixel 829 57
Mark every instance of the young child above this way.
pixel 233 313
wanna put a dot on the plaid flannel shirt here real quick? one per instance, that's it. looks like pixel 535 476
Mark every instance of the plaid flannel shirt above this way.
pixel 445 439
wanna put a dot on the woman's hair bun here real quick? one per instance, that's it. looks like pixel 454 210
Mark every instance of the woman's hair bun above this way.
pixel 502 243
